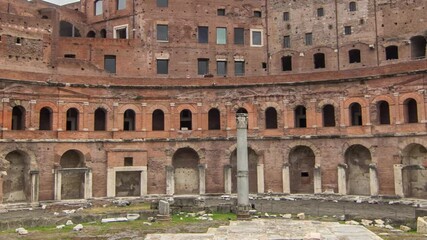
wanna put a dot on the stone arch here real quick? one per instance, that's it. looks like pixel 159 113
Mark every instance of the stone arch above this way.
pixel 186 171
pixel 154 107
pixel 304 143
pixel 302 164
pixel 17 164
pixel 200 152
pixel 253 162
pixel 73 180
pixel 414 171
pixel 133 107
pixel 358 159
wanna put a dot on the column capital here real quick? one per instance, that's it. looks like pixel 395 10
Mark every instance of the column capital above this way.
pixel 242 120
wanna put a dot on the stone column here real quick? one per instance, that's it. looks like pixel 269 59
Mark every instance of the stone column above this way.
pixel 202 178
pixel 317 179
pixel 170 180
pixel 242 167
pixel 34 186
pixel 227 179
pixel 373 179
pixel 398 180
pixel 111 182
pixel 144 182
pixel 260 178
pixel 58 184
pixel 342 179
pixel 88 184
pixel 286 179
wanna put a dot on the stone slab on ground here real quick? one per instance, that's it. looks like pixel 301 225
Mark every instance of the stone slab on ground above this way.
pixel 276 229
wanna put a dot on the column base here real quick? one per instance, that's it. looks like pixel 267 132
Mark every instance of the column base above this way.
pixel 243 213
pixel 163 218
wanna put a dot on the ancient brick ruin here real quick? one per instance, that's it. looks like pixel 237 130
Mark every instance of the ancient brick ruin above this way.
pixel 106 98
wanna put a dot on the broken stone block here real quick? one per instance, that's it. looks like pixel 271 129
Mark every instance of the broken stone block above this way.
pixel 379 222
pixel 147 223
pixel 201 213
pixel 352 222
pixel 60 226
pixel 422 225
pixel 119 219
pixel 164 208
pixel 301 216
pixel 78 227
pixel 69 222
pixel 21 231
pixel 121 203
pixel 389 227
pixel 287 216
pixel 366 222
pixel 405 228
pixel 132 216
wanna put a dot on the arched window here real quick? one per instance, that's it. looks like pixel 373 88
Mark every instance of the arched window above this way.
pixel 45 119
pixel 383 111
pixel 185 120
pixel 418 47
pixel 328 112
pixel 354 56
pixel 129 120
pixel 72 119
pixel 355 114
pixel 103 33
pixel 319 60
pixel 98 7
pixel 391 52
pixel 91 34
pixel 300 117
pixel 214 119
pixel 270 118
pixel 100 121
pixel 410 111
pixel 18 118
pixel 158 120
pixel 67 29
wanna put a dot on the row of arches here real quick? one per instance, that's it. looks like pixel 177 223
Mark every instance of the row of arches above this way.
pixel 67 29
pixel 382 112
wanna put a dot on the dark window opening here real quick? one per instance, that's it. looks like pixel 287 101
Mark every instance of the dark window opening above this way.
pixel 352 7
pixel 308 39
pixel 354 56
pixel 257 14
pixel 162 66
pixel 91 34
pixel 287 63
pixel 129 120
pixel 384 112
pixel 202 66
pixel 286 16
pixel 264 65
pixel 221 68
pixel 270 118
pixel 185 120
pixel 239 37
pixel 418 47
pixel 18 41
pixel 410 111
pixel 214 119
pixel 162 32
pixel 67 29
pixel 158 120
pixel 355 114
pixel 391 52
pixel 328 112
pixel 103 33
pixel 18 118
pixel 239 68
pixel 320 12
pixel 100 121
pixel 300 117
pixel 203 34
pixel 286 41
pixel 256 38
pixel 162 3
pixel 45 120
pixel 305 174
pixel 110 63
pixel 319 60
pixel 128 161
pixel 69 55
pixel 72 119
pixel 98 7
pixel 121 33
pixel 347 30
pixel 220 12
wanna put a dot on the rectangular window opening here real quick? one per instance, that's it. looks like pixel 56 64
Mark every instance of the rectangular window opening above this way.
pixel 221 35
pixel 202 66
pixel 220 11
pixel 239 68
pixel 69 55
pixel 308 39
pixel 239 37
pixel 162 66
pixel 203 34
pixel 110 63
pixel 256 38
pixel 121 4
pixel 286 16
pixel 162 3
pixel 221 68
pixel 128 161
pixel 162 32
pixel 286 41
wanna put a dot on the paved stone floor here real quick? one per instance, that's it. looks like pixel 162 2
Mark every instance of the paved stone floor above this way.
pixel 276 230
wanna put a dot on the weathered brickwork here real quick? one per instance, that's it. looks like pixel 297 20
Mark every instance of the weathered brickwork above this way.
pixel 87 111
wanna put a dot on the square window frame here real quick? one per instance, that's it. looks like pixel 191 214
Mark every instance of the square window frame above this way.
pixel 252 38
pixel 119 27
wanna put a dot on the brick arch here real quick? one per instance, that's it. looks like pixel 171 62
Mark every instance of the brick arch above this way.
pixel 386 98
pixel 324 102
pixel 416 96
pixel 357 45
pixel 259 152
pixel 287 150
pixel 85 151
pixel 247 106
pixel 349 143
pixel 363 103
pixel 154 107
pixel 131 106
pixel 405 143
pixel 297 103
pixel 31 156
pixel 201 152
pixel 77 106
pixel 190 107
pixel 275 105
pixel 50 105
pixel 218 106
pixel 94 107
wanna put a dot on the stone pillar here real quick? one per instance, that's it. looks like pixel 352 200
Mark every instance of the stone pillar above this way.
pixel 286 179
pixel 242 167
pixel 58 185
pixel 317 179
pixel 202 178
pixel 34 186
pixel 342 179
pixel 111 182
pixel 260 178
pixel 373 179
pixel 144 183
pixel 227 179
pixel 398 180
pixel 170 180
pixel 88 184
